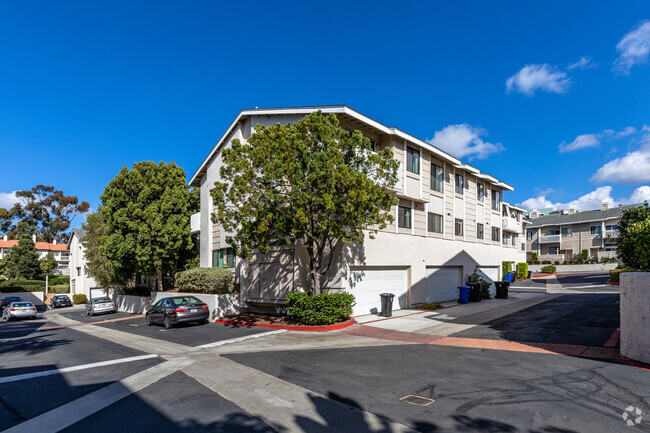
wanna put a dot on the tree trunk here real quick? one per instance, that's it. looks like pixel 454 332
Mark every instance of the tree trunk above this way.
pixel 160 281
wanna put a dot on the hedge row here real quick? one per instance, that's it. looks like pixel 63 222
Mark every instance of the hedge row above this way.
pixel 323 309
pixel 615 274
pixel 212 281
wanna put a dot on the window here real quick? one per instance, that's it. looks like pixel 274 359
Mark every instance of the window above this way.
pixel 437 177
pixel 514 240
pixel 495 199
pixel 479 231
pixel 506 238
pixel 435 223
pixel 596 230
pixel 459 183
pixel 567 232
pixel 553 250
pixel 458 227
pixel 373 146
pixel 225 257
pixel 611 227
pixel 413 160
pixel 404 217
pixel 480 192
pixel 529 235
pixel 554 232
pixel 65 256
pixel 495 234
pixel 79 271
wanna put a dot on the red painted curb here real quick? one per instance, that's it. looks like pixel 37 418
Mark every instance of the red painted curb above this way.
pixel 613 340
pixel 323 328
pixel 542 276
pixel 611 283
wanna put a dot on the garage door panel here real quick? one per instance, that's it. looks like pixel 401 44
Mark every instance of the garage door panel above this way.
pixel 367 284
pixel 442 283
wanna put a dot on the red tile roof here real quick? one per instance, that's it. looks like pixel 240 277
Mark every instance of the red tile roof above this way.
pixel 40 246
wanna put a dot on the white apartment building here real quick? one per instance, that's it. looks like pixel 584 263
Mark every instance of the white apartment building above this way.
pixel 450 221
pixel 80 281
pixel 59 251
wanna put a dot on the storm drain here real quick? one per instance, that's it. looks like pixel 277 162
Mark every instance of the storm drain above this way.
pixel 417 400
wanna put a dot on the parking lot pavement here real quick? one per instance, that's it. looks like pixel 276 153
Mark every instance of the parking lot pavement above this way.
pixel 583 319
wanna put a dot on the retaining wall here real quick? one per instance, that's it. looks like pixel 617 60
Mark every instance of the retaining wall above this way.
pixel 577 268
pixel 131 304
pixel 635 315
pixel 219 305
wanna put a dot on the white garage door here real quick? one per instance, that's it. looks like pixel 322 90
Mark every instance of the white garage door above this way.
pixel 366 285
pixel 97 293
pixel 442 283
pixel 491 274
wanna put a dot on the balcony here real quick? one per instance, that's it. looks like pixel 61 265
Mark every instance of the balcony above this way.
pixel 549 239
pixel 611 234
pixel 511 225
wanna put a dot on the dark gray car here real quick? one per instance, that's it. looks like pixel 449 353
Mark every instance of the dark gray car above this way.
pixel 174 310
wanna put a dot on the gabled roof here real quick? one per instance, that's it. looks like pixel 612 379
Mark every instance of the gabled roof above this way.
pixel 580 217
pixel 344 111
pixel 80 233
pixel 40 246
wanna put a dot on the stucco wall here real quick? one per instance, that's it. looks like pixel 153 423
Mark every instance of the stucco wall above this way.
pixel 219 305
pixel 635 315
pixel 131 304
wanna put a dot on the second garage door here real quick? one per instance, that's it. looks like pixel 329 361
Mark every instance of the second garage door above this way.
pixel 366 285
pixel 442 283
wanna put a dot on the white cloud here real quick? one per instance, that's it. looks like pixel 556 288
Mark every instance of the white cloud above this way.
pixel 8 199
pixel 465 140
pixel 634 167
pixel 580 142
pixel 589 201
pixel 633 49
pixel 583 63
pixel 535 77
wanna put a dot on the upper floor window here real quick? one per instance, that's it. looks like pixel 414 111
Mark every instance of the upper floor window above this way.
pixel 611 227
pixel 567 232
pixel 460 183
pixel 435 223
pixel 437 178
pixel 529 235
pixel 495 199
pixel 479 231
pixel 495 234
pixel 514 240
pixel 480 192
pixel 596 230
pixel 458 227
pixel 413 160
pixel 553 250
pixel 224 257
pixel 404 217
pixel 506 238
pixel 554 232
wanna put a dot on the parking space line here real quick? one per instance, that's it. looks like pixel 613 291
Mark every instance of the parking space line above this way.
pixel 238 339
pixel 75 368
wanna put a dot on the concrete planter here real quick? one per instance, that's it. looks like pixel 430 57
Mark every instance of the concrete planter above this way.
pixel 131 304
pixel 35 298
pixel 635 315
pixel 219 305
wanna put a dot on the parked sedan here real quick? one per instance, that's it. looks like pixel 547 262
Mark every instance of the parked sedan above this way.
pixel 100 305
pixel 19 310
pixel 178 309
pixel 8 300
pixel 61 301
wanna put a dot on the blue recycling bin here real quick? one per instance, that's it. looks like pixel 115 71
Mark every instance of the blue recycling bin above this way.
pixel 508 276
pixel 464 294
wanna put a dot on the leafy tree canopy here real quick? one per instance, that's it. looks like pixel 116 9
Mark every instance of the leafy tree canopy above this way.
pixel 633 243
pixel 146 214
pixel 22 261
pixel 42 211
pixel 48 264
pixel 97 265
pixel 309 182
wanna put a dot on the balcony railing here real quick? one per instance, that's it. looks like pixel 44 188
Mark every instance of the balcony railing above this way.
pixel 549 239
pixel 610 234
pixel 511 225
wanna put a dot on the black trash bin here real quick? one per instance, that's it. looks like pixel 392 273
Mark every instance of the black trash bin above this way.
pixel 502 289
pixel 386 304
pixel 474 292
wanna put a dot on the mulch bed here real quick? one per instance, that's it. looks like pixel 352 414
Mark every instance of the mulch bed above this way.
pixel 261 318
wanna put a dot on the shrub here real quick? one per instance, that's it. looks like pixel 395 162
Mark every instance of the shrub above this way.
pixel 26 285
pixel 615 274
pixel 534 257
pixel 564 262
pixel 59 279
pixel 485 289
pixel 507 267
pixel 522 271
pixel 546 262
pixel 585 255
pixel 322 309
pixel 548 269
pixel 434 306
pixel 206 280
pixel 79 299
pixel 60 288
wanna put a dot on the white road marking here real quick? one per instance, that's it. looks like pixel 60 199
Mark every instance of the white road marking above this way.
pixel 238 339
pixel 75 368
pixel 589 287
pixel 70 413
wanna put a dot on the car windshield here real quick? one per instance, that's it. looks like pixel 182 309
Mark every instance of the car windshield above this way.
pixel 61 297
pixel 185 300
pixel 102 300
pixel 22 304
pixel 12 299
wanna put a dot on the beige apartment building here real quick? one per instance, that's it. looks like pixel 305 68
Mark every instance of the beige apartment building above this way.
pixel 451 220
pixel 60 252
pixel 562 236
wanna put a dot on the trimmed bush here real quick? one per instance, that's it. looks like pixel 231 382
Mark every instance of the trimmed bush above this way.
pixel 522 271
pixel 211 281
pixel 26 285
pixel 557 262
pixel 323 309
pixel 59 279
pixel 79 299
pixel 615 274
pixel 506 267
pixel 548 269
pixel 60 288
pixel 585 255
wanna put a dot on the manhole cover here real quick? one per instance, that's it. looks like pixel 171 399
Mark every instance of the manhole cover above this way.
pixel 416 399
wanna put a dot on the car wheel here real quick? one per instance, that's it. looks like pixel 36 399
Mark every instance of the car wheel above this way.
pixel 168 323
pixel 149 322
pixel 33 317
pixel 204 322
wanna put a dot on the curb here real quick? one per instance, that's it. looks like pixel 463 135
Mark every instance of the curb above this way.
pixel 544 276
pixel 611 283
pixel 303 328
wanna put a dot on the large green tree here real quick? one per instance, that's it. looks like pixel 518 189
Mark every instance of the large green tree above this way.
pixel 633 243
pixel 146 214
pixel 97 264
pixel 42 211
pixel 48 264
pixel 311 183
pixel 22 262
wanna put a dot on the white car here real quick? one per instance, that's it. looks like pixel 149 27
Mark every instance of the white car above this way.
pixel 100 305
pixel 19 310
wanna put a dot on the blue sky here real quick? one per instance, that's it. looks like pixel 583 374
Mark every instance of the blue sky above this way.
pixel 551 97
